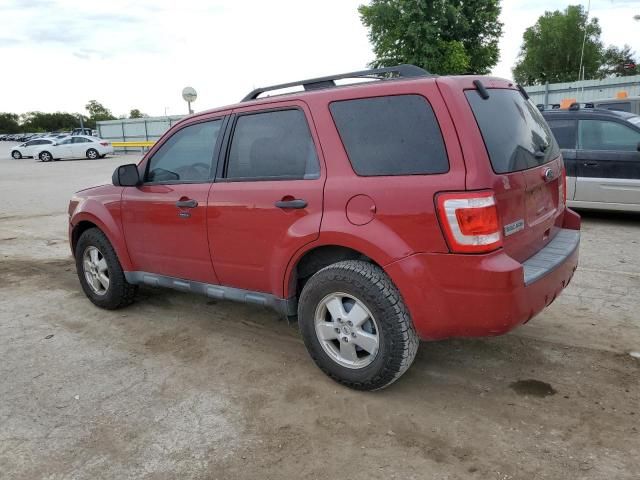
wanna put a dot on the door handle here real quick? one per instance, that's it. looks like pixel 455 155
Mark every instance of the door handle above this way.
pixel 590 164
pixel 190 203
pixel 295 203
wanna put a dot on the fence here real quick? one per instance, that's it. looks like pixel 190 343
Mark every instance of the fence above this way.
pixel 585 90
pixel 136 130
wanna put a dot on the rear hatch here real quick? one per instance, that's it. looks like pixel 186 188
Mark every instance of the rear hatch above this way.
pixel 527 168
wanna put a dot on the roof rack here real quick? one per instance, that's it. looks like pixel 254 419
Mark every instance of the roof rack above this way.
pixel 402 71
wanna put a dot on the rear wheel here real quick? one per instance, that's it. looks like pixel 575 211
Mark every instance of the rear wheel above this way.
pixel 16 154
pixel 45 156
pixel 100 272
pixel 92 154
pixel 355 325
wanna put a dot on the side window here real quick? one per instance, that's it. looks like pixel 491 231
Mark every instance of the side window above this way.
pixel 605 135
pixel 31 143
pixel 274 144
pixel 565 132
pixel 187 156
pixel 66 141
pixel 395 135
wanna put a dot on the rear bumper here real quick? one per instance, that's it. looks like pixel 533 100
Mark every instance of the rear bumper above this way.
pixel 450 295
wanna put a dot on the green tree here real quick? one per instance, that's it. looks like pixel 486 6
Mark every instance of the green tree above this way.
pixel 98 112
pixel 619 62
pixel 9 123
pixel 135 113
pixel 442 36
pixel 551 48
pixel 49 122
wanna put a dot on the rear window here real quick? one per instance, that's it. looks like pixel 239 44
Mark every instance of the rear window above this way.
pixel 513 129
pixel 393 135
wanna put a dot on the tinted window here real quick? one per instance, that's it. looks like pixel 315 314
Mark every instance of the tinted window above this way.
pixel 32 142
pixel 66 141
pixel 621 106
pixel 186 156
pixel 565 132
pixel 604 135
pixel 80 140
pixel 272 145
pixel 396 135
pixel 514 132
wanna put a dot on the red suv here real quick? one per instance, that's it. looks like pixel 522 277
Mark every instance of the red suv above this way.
pixel 379 213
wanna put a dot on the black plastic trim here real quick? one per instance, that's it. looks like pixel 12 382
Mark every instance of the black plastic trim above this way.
pixel 284 306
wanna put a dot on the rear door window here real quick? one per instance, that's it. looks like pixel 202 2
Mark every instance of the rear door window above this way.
pixel 565 132
pixel 620 106
pixel 514 131
pixel 393 135
pixel 605 135
pixel 272 145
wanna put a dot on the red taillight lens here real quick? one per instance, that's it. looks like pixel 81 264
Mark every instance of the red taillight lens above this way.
pixel 104 144
pixel 563 185
pixel 470 221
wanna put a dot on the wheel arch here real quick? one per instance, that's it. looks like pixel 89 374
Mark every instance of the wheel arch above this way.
pixel 316 257
pixel 84 220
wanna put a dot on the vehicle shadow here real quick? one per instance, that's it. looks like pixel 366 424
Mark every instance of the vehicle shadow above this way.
pixel 608 216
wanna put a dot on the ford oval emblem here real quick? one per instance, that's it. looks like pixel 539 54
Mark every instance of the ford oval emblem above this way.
pixel 548 174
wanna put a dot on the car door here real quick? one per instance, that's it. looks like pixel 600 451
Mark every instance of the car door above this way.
pixel 164 219
pixel 62 149
pixel 564 130
pixel 608 162
pixel 267 199
pixel 79 147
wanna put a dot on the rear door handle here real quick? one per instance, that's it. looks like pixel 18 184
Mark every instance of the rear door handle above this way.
pixel 295 203
pixel 186 203
pixel 591 164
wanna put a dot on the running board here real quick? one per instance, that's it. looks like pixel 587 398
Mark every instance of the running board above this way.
pixel 283 306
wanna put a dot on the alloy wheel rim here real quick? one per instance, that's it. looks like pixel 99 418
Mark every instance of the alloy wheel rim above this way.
pixel 92 154
pixel 96 272
pixel 45 157
pixel 346 330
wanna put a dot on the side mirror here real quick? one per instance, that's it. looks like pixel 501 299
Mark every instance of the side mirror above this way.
pixel 126 176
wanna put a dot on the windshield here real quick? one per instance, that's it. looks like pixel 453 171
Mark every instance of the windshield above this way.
pixel 514 132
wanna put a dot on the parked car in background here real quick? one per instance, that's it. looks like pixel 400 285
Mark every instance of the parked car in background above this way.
pixel 379 213
pixel 26 149
pixel 82 131
pixel 601 150
pixel 628 104
pixel 78 146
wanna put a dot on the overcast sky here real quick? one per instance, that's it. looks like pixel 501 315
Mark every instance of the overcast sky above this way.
pixel 58 54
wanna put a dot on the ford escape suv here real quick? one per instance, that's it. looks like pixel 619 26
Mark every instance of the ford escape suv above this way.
pixel 406 207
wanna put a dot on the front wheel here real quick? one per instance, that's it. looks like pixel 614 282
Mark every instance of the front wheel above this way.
pixel 16 155
pixel 92 154
pixel 356 326
pixel 100 272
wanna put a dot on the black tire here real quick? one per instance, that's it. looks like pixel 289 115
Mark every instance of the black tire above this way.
pixel 92 154
pixel 119 293
pixel 45 156
pixel 397 338
pixel 16 155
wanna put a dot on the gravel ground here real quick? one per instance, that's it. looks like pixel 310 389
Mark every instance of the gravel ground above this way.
pixel 180 386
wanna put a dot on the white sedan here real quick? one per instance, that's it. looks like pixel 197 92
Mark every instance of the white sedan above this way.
pixel 26 149
pixel 77 146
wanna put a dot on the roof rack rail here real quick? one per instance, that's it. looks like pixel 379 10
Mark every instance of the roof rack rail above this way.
pixel 403 71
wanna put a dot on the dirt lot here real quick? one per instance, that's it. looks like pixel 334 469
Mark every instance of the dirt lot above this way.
pixel 179 386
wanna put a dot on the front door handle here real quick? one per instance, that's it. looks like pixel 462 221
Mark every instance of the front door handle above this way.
pixel 294 203
pixel 190 203
pixel 590 164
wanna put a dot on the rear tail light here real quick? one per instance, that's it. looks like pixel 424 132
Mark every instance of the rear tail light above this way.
pixel 104 144
pixel 470 221
pixel 562 187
